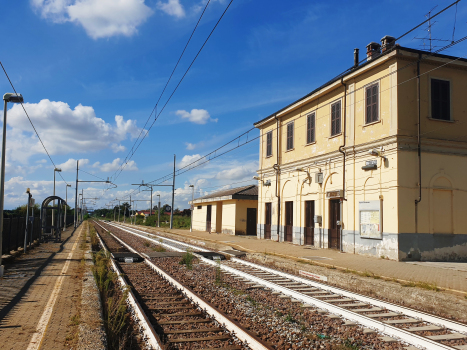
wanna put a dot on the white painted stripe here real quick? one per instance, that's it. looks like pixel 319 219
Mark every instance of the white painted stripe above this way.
pixel 43 323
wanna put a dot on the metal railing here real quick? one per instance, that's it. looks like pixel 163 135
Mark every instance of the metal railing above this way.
pixel 14 230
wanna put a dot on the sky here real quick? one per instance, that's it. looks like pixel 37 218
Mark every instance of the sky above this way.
pixel 92 71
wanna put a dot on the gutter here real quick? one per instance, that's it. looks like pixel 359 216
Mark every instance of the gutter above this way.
pixel 277 169
pixel 419 148
pixel 341 150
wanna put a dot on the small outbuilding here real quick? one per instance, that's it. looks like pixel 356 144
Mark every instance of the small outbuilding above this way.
pixel 231 211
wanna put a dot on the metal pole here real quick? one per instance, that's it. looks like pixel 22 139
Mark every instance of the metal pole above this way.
pixel 192 207
pixel 2 184
pixel 53 210
pixel 82 201
pixel 129 209
pixel 173 198
pixel 76 196
pixel 27 217
pixel 159 212
pixel 150 209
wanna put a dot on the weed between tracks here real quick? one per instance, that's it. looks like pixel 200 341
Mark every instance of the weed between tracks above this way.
pixel 187 259
pixel 117 320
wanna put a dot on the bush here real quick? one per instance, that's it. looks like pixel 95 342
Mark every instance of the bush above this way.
pixel 179 221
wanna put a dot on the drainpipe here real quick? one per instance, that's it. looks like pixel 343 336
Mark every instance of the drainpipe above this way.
pixel 277 169
pixel 419 148
pixel 341 150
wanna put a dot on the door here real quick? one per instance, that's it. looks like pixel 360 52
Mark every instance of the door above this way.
pixel 208 218
pixel 309 222
pixel 288 221
pixel 251 221
pixel 334 237
pixel 268 221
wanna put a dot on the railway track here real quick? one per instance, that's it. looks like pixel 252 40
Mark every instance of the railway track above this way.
pixel 177 317
pixel 393 321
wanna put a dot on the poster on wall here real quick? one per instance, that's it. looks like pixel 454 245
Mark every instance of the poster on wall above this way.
pixel 370 219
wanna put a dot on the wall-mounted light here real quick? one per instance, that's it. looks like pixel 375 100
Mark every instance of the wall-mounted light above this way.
pixel 265 183
pixel 377 153
pixel 308 177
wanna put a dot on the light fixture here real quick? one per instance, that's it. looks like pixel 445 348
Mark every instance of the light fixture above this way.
pixel 305 171
pixel 265 183
pixel 377 153
pixel 256 178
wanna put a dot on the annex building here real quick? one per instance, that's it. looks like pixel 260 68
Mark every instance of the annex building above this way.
pixel 372 162
pixel 232 211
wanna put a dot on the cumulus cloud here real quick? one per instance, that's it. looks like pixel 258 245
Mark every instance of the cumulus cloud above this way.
pixel 70 164
pixel 99 18
pixel 187 159
pixel 114 165
pixel 64 130
pixel 190 146
pixel 172 8
pixel 197 116
pixel 237 173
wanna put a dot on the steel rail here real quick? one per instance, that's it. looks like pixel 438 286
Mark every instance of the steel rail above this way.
pixel 459 327
pixel 348 314
pixel 237 331
pixel 150 335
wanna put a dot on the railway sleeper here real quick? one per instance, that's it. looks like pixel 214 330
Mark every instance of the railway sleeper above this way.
pixel 190 340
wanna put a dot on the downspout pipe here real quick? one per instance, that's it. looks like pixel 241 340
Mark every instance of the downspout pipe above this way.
pixel 341 150
pixel 277 170
pixel 419 146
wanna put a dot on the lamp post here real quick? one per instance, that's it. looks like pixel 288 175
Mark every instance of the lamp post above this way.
pixel 192 206
pixel 13 98
pixel 53 210
pixel 28 191
pixel 159 211
pixel 66 206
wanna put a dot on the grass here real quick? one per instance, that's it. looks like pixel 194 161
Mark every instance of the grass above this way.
pixel 117 319
pixel 187 259
pixel 218 279
pixel 289 318
pixel 158 248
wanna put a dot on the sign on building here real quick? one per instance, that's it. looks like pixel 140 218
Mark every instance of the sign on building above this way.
pixel 335 194
pixel 371 222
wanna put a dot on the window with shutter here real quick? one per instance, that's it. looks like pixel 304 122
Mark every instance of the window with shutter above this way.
pixel 440 99
pixel 372 113
pixel 290 136
pixel 336 118
pixel 269 144
pixel 310 128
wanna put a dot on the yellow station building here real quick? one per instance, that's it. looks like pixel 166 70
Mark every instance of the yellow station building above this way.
pixel 374 161
pixel 232 211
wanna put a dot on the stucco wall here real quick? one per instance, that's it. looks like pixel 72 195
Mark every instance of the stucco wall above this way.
pixel 199 218
pixel 228 217
pixel 241 212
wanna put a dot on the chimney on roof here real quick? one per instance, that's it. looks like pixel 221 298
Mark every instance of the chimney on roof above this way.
pixel 355 57
pixel 373 50
pixel 388 42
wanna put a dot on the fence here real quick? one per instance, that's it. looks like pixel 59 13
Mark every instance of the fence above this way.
pixel 13 232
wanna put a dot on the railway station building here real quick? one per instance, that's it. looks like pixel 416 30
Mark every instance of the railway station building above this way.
pixel 232 211
pixel 374 161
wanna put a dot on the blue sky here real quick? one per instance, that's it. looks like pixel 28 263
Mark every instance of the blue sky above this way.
pixel 91 72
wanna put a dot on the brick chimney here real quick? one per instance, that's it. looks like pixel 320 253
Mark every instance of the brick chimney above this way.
pixel 373 50
pixel 387 42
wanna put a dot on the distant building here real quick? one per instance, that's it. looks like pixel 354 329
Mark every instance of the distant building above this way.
pixel 372 162
pixel 145 213
pixel 231 211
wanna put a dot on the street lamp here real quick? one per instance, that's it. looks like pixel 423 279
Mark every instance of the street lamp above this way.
pixel 13 98
pixel 53 210
pixel 66 206
pixel 192 206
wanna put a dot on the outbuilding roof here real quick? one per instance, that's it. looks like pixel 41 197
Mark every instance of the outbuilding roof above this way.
pixel 244 192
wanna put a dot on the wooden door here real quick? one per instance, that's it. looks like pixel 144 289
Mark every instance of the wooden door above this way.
pixel 208 218
pixel 334 237
pixel 251 221
pixel 288 221
pixel 309 222
pixel 268 221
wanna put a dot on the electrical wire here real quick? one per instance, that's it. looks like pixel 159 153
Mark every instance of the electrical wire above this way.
pixel 32 124
pixel 167 83
pixel 173 92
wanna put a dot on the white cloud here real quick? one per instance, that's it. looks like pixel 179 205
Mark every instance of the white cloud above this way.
pixel 99 18
pixel 117 148
pixel 114 165
pixel 237 173
pixel 64 130
pixel 172 8
pixel 187 159
pixel 190 146
pixel 197 116
pixel 70 164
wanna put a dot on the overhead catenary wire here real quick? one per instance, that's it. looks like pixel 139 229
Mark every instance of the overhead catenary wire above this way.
pixel 118 172
pixel 168 80
pixel 32 124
